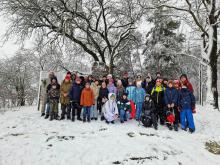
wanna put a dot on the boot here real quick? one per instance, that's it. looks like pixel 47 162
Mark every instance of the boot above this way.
pixel 155 127
pixel 84 120
pixel 42 114
pixel 79 118
pixel 56 116
pixel 62 117
pixel 191 131
pixel 112 122
pixel 175 128
pixel 51 117
pixel 102 118
pixel 46 116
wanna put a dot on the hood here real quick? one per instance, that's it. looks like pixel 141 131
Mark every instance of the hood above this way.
pixel 110 94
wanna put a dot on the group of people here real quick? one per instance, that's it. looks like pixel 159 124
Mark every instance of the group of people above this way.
pixel 149 101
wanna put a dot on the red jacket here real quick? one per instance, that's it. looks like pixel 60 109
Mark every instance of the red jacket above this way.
pixel 189 86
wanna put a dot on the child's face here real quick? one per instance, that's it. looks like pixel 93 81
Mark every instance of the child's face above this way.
pixel 112 98
pixel 103 85
pixel 124 97
pixel 165 82
pixel 130 83
pixel 170 85
pixel 87 86
pixel 96 83
pixel 158 83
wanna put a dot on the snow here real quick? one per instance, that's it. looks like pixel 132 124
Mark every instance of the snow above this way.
pixel 28 139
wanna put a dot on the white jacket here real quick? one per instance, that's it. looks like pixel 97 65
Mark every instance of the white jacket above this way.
pixel 110 109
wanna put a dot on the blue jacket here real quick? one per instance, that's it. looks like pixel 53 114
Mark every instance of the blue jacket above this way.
pixel 129 90
pixel 139 95
pixel 186 99
pixel 171 96
pixel 75 92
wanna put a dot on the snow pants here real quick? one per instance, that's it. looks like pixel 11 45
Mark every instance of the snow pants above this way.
pixel 186 116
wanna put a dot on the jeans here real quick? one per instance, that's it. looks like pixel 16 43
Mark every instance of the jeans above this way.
pixel 66 108
pixel 124 115
pixel 48 108
pixel 138 110
pixel 86 113
pixel 94 111
pixel 187 116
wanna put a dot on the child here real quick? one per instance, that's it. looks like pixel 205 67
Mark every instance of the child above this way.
pixel 157 96
pixel 187 104
pixel 124 107
pixel 148 113
pixel 64 97
pixel 138 94
pixel 110 109
pixel 86 101
pixel 120 89
pixel 94 110
pixel 130 91
pixel 171 103
pixel 111 87
pixel 103 97
pixel 54 96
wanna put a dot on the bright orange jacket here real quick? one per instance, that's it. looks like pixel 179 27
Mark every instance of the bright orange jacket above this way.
pixel 87 98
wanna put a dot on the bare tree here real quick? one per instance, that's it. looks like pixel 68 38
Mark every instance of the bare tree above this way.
pixel 100 27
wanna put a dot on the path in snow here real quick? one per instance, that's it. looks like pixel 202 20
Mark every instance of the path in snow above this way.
pixel 27 139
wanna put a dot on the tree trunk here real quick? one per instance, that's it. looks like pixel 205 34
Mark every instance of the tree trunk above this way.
pixel 214 65
pixel 111 65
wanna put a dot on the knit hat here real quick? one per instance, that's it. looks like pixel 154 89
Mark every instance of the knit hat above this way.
pixel 68 77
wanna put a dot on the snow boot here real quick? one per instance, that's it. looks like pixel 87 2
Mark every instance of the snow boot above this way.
pixel 95 118
pixel 51 117
pixel 47 116
pixel 42 114
pixel 175 128
pixel 79 118
pixel 102 118
pixel 191 130
pixel 62 117
pixel 112 122
pixel 107 122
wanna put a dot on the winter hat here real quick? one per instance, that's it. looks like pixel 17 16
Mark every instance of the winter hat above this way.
pixel 147 96
pixel 125 94
pixel 159 80
pixel 53 78
pixel 184 75
pixel 68 77
pixel 109 76
pixel 68 73
pixel 176 81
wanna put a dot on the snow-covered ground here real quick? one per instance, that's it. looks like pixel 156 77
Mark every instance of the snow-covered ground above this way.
pixel 27 139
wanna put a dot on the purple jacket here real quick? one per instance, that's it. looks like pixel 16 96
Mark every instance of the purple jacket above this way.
pixel 112 89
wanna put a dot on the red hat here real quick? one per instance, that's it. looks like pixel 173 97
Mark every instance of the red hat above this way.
pixel 68 77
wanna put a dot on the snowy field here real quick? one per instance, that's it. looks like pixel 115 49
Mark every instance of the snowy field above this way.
pixel 27 139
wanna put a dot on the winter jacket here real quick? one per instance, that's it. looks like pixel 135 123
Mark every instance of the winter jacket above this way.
pixel 75 92
pixel 139 95
pixel 87 98
pixel 53 92
pixel 112 89
pixel 171 96
pixel 129 90
pixel 186 99
pixel 124 82
pixel 148 105
pixel 95 90
pixel 110 109
pixel 148 86
pixel 157 95
pixel 65 88
pixel 120 92
pixel 103 93
pixel 124 104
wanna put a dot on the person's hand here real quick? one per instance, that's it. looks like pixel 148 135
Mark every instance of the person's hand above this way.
pixel 193 109
pixel 168 105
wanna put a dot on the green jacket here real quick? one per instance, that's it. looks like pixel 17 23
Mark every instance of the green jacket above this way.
pixel 124 105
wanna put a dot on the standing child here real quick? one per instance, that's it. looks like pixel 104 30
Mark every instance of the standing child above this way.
pixel 86 101
pixel 148 113
pixel 130 91
pixel 171 103
pixel 64 97
pixel 54 96
pixel 110 109
pixel 103 97
pixel 187 104
pixel 157 96
pixel 139 94
pixel 124 107
pixel 94 109
pixel 111 87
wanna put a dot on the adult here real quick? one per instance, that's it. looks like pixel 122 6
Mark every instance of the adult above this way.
pixel 125 80
pixel 148 85
pixel 64 97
